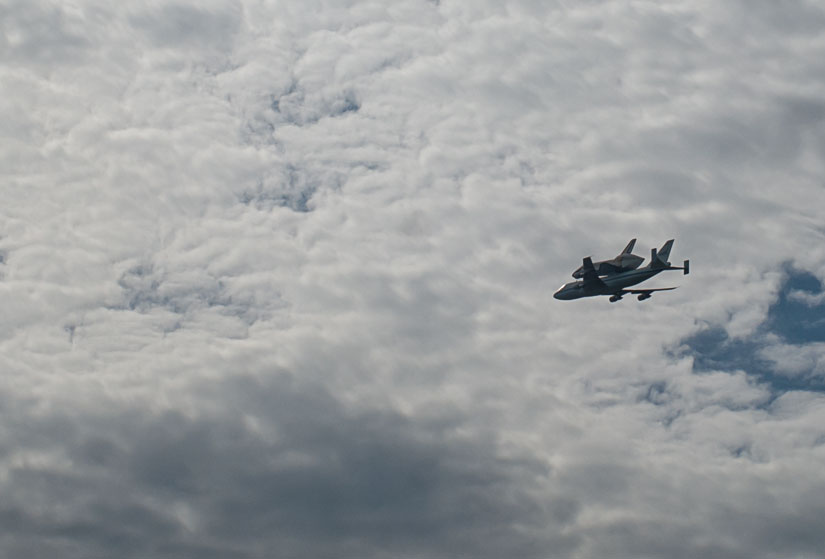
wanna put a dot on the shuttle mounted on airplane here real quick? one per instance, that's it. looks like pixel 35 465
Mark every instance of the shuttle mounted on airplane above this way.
pixel 617 284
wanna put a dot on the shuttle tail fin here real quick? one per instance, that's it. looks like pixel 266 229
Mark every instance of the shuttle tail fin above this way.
pixel 629 248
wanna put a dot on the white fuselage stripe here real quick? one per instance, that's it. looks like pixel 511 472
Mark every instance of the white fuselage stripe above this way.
pixel 627 279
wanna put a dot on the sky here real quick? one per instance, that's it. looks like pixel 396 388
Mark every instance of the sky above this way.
pixel 276 279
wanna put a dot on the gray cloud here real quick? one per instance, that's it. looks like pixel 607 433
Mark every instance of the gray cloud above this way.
pixel 278 276
pixel 275 463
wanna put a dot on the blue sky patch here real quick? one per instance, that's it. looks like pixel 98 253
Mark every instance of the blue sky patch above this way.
pixel 794 320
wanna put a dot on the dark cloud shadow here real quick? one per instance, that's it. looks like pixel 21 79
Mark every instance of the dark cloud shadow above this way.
pixel 279 464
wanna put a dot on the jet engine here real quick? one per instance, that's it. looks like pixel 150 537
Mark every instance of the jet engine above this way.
pixel 643 296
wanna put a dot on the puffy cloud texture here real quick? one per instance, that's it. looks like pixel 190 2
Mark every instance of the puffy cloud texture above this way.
pixel 277 276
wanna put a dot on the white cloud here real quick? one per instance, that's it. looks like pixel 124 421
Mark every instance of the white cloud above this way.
pixel 795 360
pixel 280 275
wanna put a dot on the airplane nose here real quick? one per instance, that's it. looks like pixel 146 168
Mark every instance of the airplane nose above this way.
pixel 567 292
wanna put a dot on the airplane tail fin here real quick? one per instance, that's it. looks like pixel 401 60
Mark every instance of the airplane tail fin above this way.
pixel 664 252
pixel 629 248
pixel 658 258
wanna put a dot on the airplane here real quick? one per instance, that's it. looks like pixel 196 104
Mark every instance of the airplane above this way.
pixel 623 262
pixel 616 285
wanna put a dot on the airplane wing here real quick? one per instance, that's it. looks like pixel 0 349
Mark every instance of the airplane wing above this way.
pixel 644 291
pixel 589 273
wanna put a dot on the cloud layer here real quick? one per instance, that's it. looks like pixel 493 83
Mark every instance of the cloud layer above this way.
pixel 277 279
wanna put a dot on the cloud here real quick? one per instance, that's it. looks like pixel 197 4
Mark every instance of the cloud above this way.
pixel 281 464
pixel 280 275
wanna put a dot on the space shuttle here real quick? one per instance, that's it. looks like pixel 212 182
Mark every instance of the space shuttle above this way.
pixel 623 262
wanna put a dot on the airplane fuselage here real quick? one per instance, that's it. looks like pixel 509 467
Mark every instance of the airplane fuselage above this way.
pixel 610 285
